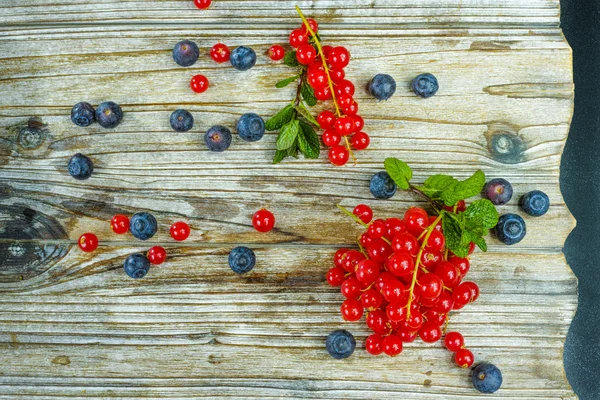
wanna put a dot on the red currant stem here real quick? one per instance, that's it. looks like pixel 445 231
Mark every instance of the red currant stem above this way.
pixel 414 278
pixel 448 289
pixel 350 150
pixel 351 215
pixel 446 324
pixel 362 249
pixel 424 269
pixel 422 234
pixel 437 206
pixel 446 251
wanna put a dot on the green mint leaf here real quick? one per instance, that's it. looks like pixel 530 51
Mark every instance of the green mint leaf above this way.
pixel 454 232
pixel 290 59
pixel 284 116
pixel 463 190
pixel 284 82
pixel 480 242
pixel 279 156
pixel 293 150
pixel 436 184
pixel 431 193
pixel 307 115
pixel 399 171
pixel 308 95
pixel 308 141
pixel 483 212
pixel 288 134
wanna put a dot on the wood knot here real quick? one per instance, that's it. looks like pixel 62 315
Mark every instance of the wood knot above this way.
pixel 504 144
pixel 32 134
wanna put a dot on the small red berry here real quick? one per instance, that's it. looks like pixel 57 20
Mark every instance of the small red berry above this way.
pixel 434 316
pixel 377 321
pixel 313 26
pixel 407 335
pixel 360 140
pixel 352 310
pixel 471 248
pixel 344 87
pixel 445 303
pixel 379 250
pixel 429 286
pixel 463 265
pixel 339 57
pixel 454 341
pixel 363 212
pixel 298 37
pixel 436 240
pixel 338 155
pixel 338 257
pixel 432 219
pixel 394 226
pixel 199 83
pixel 383 279
pixel 119 224
pixel 344 126
pixel 392 345
pixel 325 119
pixel 323 93
pixel 331 138
pixel 430 258
pixel 88 242
pixel 393 291
pixel 461 295
pixel 263 220
pixel 351 109
pixel 317 79
pixel 365 240
pixel 449 274
pixel 416 220
pixel 430 332
pixel 202 4
pixel 401 264
pixel 359 123
pixel 474 290
pixel 396 311
pixel 306 54
pixel 156 255
pixel 351 288
pixel 326 50
pixel 415 321
pixel 464 358
pixel 405 242
pixel 335 276
pixel 377 229
pixel 220 53
pixel 180 231
pixel 336 75
pixel 344 100
pixel 373 344
pixel 276 52
pixel 351 260
pixel 371 299
pixel 460 207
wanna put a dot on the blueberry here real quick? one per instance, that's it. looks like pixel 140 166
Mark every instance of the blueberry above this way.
pixel 535 203
pixel 109 114
pixel 83 114
pixel 499 191
pixel 143 225
pixel 181 120
pixel 80 167
pixel 487 378
pixel 241 260
pixel 382 86
pixel 218 138
pixel 340 344
pixel 382 186
pixel 251 127
pixel 186 53
pixel 136 266
pixel 425 85
pixel 242 58
pixel 511 229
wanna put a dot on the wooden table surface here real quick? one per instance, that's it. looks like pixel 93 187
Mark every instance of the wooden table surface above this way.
pixel 73 326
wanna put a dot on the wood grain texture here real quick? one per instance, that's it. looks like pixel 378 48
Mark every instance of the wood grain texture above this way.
pixel 72 326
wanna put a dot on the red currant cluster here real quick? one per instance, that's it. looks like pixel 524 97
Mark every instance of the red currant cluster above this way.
pixel 405 279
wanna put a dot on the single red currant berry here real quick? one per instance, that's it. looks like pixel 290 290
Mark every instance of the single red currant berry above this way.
pixel 460 207
pixel 429 302
pixel 392 345
pixel 343 126
pixel 405 242
pixel 263 220
pixel 396 311
pixel 344 87
pixel 323 93
pixel 326 50
pixel 371 299
pixel 339 57
pixel 180 231
pixel 436 240
pixel 360 140
pixel 461 295
pixel 156 255
pixel 317 79
pixel 429 286
pixel 367 272
pixel 377 229
pixel 298 37
pixel 335 276
pixel 351 109
pixel 325 119
pixel 434 316
pixel 448 273
pixel 202 4
pixel 363 212
pixel 407 336
pixel 338 257
pixel 474 290
pixel 445 303
pixel 336 75
pixel 373 344
pixel 199 83
pixel 276 52
pixel 306 54
pixel 344 100
pixel 377 321
pixel 351 260
pixel 430 258
pixel 430 332
pixel 315 67
pixel 351 288
pixel 471 248
pixel 393 226
pixel 220 53
pixel 313 26
pixel 463 265
pixel 393 291
pixel 415 320
pixel 338 155
pixel 464 358
pixel 379 251
pixel 454 341
pixel 88 242
pixel 365 240
pixel 416 220
pixel 438 226
pixel 331 138
pixel 400 263
pixel 383 279
pixel 352 310
pixel 119 224
pixel 359 123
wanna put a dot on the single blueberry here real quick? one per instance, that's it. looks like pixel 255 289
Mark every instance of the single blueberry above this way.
pixel 241 260
pixel 242 58
pixel 143 225
pixel 340 344
pixel 382 186
pixel 136 266
pixel 511 229
pixel 382 86
pixel 83 114
pixel 487 378
pixel 109 114
pixel 499 191
pixel 251 127
pixel 425 85
pixel 186 53
pixel 218 138
pixel 535 203
pixel 80 167
pixel 181 120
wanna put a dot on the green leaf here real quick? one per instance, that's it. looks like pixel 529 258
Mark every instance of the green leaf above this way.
pixel 284 116
pixel 480 242
pixel 308 95
pixel 290 59
pixel 484 212
pixel 436 184
pixel 288 134
pixel 454 232
pixel 279 156
pixel 284 82
pixel 463 190
pixel 308 141
pixel 399 171
pixel 306 114
pixel 293 150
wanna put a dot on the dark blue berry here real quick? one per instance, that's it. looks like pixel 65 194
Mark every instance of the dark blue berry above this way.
pixel 511 229
pixel 80 167
pixel 143 225
pixel 136 266
pixel 487 378
pixel 340 344
pixel 83 114
pixel 218 138
pixel 499 191
pixel 186 53
pixel 241 260
pixel 181 120
pixel 535 203
pixel 242 58
pixel 109 114
pixel 382 86
pixel 251 127
pixel 382 186
pixel 425 85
